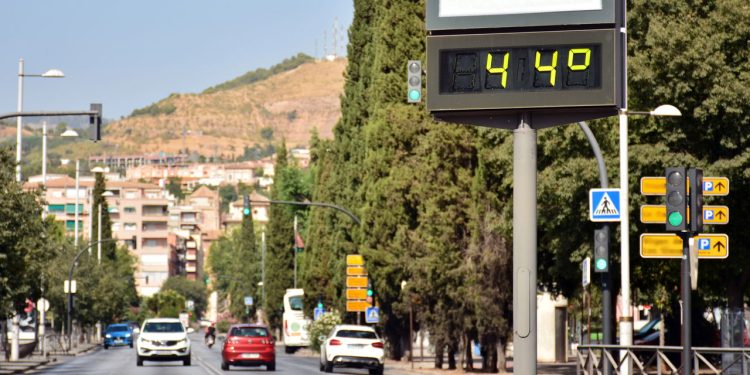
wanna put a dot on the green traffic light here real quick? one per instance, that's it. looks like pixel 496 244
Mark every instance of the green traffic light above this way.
pixel 601 264
pixel 675 219
pixel 320 305
pixel 369 292
pixel 246 211
pixel 414 94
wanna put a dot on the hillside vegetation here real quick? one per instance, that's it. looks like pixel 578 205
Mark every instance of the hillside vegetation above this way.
pixel 288 100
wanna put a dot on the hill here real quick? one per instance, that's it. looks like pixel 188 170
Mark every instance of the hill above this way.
pixel 288 100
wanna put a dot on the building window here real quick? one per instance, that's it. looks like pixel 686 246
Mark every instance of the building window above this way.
pixel 130 227
pixel 129 210
pixel 116 226
pixel 70 225
pixel 154 260
pixel 71 208
pixel 131 195
pixel 56 208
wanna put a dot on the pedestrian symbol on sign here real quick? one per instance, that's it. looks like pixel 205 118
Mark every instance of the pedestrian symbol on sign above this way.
pixel 704 244
pixel 604 205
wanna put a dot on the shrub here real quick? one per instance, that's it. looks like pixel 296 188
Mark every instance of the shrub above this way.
pixel 322 327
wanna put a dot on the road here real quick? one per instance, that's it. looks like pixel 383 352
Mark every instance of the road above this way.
pixel 121 360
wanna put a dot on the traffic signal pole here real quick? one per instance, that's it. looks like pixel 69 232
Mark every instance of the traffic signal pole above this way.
pixel 524 247
pixel 686 304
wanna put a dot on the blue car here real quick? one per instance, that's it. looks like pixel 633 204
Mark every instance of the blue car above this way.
pixel 118 335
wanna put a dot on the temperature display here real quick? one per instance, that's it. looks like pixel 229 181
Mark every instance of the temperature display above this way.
pixel 535 68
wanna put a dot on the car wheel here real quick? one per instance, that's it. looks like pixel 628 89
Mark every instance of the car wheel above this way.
pixel 377 371
pixel 224 366
pixel 329 366
pixel 271 366
pixel 106 347
pixel 289 350
pixel 186 361
pixel 139 361
pixel 131 345
pixel 322 367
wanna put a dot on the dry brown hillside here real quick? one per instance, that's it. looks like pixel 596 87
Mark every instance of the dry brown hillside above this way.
pixel 291 103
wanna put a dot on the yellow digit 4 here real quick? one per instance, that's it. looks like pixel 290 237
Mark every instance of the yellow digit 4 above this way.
pixel 499 70
pixel 586 62
pixel 552 67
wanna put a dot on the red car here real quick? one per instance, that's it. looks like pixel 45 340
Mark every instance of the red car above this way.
pixel 249 345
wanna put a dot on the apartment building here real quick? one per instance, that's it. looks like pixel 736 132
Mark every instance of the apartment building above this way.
pixel 135 209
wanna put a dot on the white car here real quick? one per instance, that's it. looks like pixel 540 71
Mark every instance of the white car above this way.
pixel 352 346
pixel 163 339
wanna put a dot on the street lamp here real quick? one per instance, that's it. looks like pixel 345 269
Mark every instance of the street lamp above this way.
pixel 52 73
pixel 69 133
pixel 626 321
pixel 411 325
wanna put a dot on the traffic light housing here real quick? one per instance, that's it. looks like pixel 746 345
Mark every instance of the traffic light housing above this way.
pixel 414 81
pixel 695 178
pixel 601 249
pixel 677 199
pixel 246 209
pixel 95 122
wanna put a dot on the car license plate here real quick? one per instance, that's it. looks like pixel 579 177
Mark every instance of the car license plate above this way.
pixel 251 355
pixel 356 346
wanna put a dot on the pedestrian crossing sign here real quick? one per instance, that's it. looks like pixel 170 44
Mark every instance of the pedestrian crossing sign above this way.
pixel 604 205
pixel 372 315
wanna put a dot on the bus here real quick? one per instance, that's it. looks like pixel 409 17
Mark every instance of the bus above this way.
pixel 295 323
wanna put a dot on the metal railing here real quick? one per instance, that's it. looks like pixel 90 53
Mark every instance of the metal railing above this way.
pixel 648 360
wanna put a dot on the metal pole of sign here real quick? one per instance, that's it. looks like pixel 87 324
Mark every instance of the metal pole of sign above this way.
pixel 686 290
pixel 524 247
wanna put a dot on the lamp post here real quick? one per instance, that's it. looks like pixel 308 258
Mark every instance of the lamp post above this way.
pixel 78 196
pixel 52 73
pixel 70 133
pixel 411 326
pixel 626 320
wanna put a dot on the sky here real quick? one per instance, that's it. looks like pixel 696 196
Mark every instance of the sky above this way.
pixel 127 54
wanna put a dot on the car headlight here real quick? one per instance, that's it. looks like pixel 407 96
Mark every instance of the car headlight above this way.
pixel 127 335
pixel 108 336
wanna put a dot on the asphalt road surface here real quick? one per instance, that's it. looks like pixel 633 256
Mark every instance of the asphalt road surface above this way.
pixel 121 360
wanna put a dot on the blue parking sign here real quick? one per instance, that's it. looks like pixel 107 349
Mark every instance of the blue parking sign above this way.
pixel 704 244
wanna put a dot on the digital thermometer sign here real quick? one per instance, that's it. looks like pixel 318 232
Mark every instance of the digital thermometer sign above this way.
pixel 513 72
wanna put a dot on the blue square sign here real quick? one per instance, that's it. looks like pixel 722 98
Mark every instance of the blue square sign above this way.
pixel 604 205
pixel 704 244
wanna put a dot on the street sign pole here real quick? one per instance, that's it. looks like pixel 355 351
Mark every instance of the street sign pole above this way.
pixel 524 247
pixel 686 305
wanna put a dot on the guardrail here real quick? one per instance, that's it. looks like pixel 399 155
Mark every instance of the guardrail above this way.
pixel 658 360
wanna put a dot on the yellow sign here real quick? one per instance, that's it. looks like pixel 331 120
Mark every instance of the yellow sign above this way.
pixel 356 282
pixel 668 245
pixel 657 214
pixel 658 186
pixel 354 294
pixel 653 214
pixel 355 260
pixel 715 214
pixel 356 271
pixel 356 306
pixel 715 186
pixel 653 185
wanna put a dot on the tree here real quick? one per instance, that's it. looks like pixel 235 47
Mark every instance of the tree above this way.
pixel 23 248
pixel 289 184
pixel 174 187
pixel 165 304
pixel 191 290
pixel 100 206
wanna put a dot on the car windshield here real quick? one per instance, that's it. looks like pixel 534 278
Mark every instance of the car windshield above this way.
pixel 356 334
pixel 117 329
pixel 163 327
pixel 249 332
pixel 295 303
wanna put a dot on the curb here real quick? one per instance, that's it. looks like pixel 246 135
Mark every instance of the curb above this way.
pixel 21 367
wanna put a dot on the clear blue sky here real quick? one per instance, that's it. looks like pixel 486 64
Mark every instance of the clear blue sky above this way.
pixel 128 54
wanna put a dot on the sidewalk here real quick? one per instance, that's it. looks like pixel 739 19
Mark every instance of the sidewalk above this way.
pixel 36 361
pixel 428 366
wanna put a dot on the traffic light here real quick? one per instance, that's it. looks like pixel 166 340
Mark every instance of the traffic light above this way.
pixel 695 178
pixel 370 291
pixel 601 249
pixel 414 81
pixel 246 210
pixel 95 122
pixel 677 199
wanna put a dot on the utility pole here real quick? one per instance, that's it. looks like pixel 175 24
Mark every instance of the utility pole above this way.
pixel 295 251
